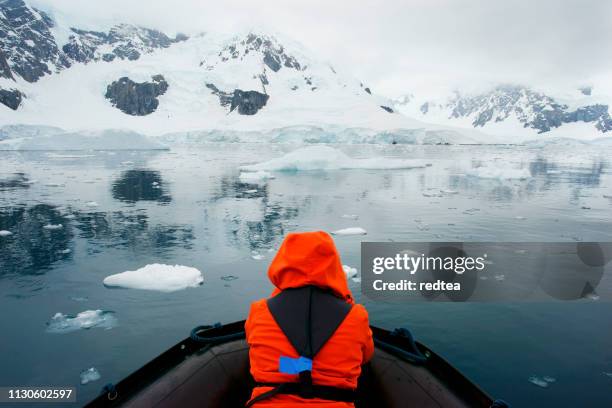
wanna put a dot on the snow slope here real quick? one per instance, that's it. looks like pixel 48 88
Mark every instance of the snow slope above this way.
pixel 203 73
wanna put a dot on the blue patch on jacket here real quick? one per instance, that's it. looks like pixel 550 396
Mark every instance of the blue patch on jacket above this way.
pixel 288 365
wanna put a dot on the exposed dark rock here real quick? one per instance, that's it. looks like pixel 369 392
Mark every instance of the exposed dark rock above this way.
pixel 272 61
pixel 27 44
pixel 29 50
pixel 11 98
pixel 424 108
pixel 247 102
pixel 367 90
pixel 273 54
pixel 134 98
pixel 388 109
pixel 586 90
pixel 534 109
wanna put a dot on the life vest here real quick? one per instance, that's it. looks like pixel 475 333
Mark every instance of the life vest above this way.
pixel 308 316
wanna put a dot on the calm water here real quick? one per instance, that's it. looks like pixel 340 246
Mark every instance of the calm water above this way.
pixel 123 210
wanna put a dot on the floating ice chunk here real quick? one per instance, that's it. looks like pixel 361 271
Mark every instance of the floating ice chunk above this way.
pixel 91 204
pixel 500 278
pixel 449 192
pixel 61 323
pixel 89 375
pixel 499 173
pixel 350 216
pixel 229 278
pixel 255 176
pixel 350 231
pixel 253 191
pixel 159 277
pixel 5 233
pixel 257 256
pixel 328 158
pixel 538 381
pixel 543 382
pixel 52 227
pixel 350 272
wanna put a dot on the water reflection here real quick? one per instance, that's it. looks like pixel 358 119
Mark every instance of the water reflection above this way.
pixel 131 231
pixel 41 236
pixel 16 180
pixel 140 185
pixel 253 219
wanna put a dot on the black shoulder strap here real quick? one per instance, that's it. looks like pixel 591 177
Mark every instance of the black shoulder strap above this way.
pixel 308 316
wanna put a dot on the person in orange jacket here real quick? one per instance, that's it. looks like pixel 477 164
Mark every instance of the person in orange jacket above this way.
pixel 308 341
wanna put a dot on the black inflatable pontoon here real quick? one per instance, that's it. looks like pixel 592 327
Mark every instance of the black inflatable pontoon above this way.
pixel 211 369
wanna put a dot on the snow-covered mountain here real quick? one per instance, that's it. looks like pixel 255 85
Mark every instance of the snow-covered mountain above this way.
pixel 144 80
pixel 512 110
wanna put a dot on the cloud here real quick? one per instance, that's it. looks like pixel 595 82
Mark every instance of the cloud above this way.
pixel 400 46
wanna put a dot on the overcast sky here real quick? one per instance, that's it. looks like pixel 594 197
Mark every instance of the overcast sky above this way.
pixel 400 46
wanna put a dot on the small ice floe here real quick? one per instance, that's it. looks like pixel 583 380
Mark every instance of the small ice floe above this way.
pixel 500 278
pixel 229 278
pixel 430 194
pixel 89 375
pixel 257 256
pixel 79 298
pixel 91 204
pixel 592 296
pixel 255 176
pixel 159 277
pixel 253 191
pixel 61 323
pixel 65 251
pixel 349 271
pixel 5 233
pixel 449 192
pixel 520 251
pixel 350 216
pixel 52 227
pixel 350 231
pixel 542 382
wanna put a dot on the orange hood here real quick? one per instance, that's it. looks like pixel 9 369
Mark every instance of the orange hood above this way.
pixel 309 258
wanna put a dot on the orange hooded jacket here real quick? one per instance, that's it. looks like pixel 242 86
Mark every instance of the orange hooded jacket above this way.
pixel 304 259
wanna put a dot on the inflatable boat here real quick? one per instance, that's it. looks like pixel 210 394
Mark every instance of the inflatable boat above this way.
pixel 210 369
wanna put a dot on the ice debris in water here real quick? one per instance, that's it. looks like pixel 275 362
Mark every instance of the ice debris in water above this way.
pixel 543 382
pixel 255 176
pixel 229 278
pixel 159 277
pixel 257 256
pixel 349 271
pixel 61 323
pixel 5 233
pixel 329 158
pixel 91 204
pixel 350 231
pixel 499 173
pixel 350 216
pixel 52 227
pixel 89 375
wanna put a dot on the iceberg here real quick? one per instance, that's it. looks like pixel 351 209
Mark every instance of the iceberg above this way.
pixel 255 176
pixel 5 233
pixel 328 158
pixel 542 382
pixel 61 323
pixel 89 375
pixel 350 231
pixel 158 277
pixel 349 271
pixel 52 227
